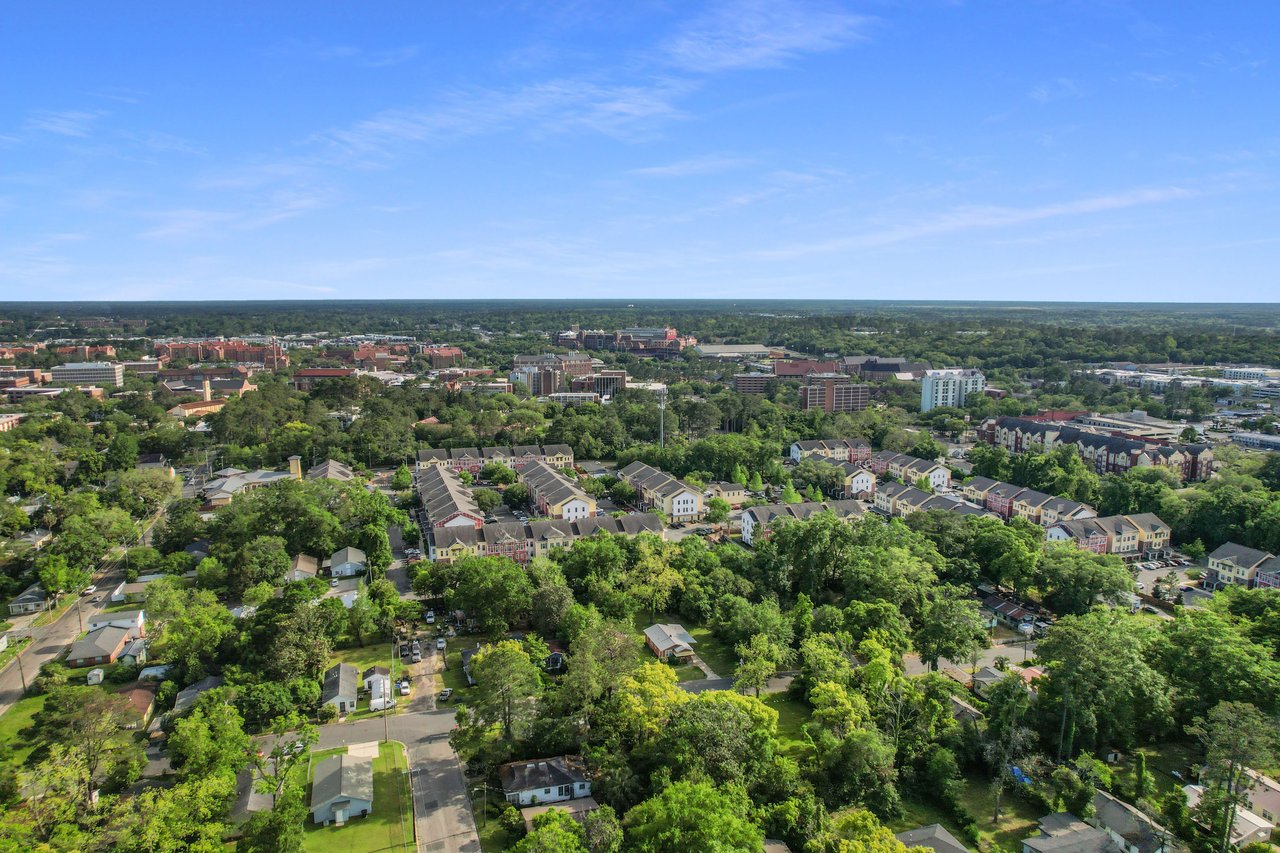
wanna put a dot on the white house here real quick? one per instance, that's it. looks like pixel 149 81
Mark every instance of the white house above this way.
pixel 341 684
pixel 544 780
pixel 342 789
pixel 133 621
pixel 347 563
pixel 1248 827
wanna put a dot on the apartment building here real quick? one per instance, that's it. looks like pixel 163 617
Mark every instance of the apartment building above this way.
pixel 909 469
pixel 758 521
pixel 1125 537
pixel 269 355
pixel 832 450
pixel 1236 565
pixel 834 392
pixel 1105 453
pixel 554 494
pixel 522 542
pixel 472 459
pixel 439 356
pixel 676 499
pixel 662 342
pixel 859 481
pixel 104 372
pixel 86 352
pixel 8 422
pixel 880 369
pixel 753 383
pixel 308 377
pixel 1256 441
pixel 792 368
pixel 446 501
pixel 949 387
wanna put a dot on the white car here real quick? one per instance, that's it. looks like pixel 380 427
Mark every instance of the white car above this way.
pixel 1140 586
pixel 431 618
pixel 440 644
pixel 89 590
pixel 404 687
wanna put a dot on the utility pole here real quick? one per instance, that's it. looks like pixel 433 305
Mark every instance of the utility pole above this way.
pixel 21 669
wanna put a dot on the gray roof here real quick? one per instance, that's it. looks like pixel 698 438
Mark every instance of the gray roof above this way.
pixel 541 773
pixel 669 636
pixel 933 836
pixel 342 777
pixel 341 680
pixel 1129 823
pixel 1241 556
pixel 331 470
pixel 188 695
pixel 104 641
pixel 348 555
pixel 1066 833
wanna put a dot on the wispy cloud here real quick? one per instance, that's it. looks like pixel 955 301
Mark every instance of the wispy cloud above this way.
pixel 556 105
pixel 975 218
pixel 760 34
pixel 1055 89
pixel 693 166
pixel 64 122
pixel 185 223
pixel 323 52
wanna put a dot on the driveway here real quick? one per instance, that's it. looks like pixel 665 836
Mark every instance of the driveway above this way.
pixel 441 808
pixel 1013 652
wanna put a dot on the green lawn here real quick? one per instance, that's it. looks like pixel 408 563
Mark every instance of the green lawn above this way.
pixel 14 721
pixel 453 676
pixel 715 653
pixel 916 814
pixel 373 653
pixel 1018 818
pixel 48 617
pixel 10 653
pixel 1161 759
pixel 389 827
pixel 792 715
pixel 688 672
pixel 493 838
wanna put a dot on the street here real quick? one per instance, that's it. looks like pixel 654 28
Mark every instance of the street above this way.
pixel 441 809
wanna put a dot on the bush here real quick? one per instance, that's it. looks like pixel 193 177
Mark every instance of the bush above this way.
pixel 326 714
pixel 123 674
pixel 511 821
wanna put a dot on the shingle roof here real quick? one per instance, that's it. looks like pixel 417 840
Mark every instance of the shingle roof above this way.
pixel 340 680
pixel 669 636
pixel 934 836
pixel 104 641
pixel 541 773
pixel 1245 558
pixel 342 777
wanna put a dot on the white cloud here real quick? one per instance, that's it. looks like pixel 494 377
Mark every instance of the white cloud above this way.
pixel 982 217
pixel 1055 89
pixel 64 122
pixel 760 34
pixel 709 164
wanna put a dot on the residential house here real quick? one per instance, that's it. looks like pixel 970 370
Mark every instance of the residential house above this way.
pixel 832 450
pixel 190 694
pixel 1000 498
pixel 522 541
pixel 303 567
pixel 347 563
pixel 1027 504
pixel 154 462
pixel 331 470
pixel 926 471
pixel 101 646
pixel 732 493
pixel 35 539
pixel 1122 536
pixel 859 482
pixel 1248 827
pixel 135 652
pixel 934 836
pixel 340 687
pixel 446 502
pixel 1153 535
pixel 1263 794
pixel 133 621
pixel 675 499
pixel 758 521
pixel 141 696
pixel 377 681
pixel 375 674
pixel 1064 509
pixel 554 494
pixel 976 488
pixel 1065 833
pixel 544 780
pixel 31 600
pixel 1129 829
pixel 135 592
pixel 342 789
pixel 1086 533
pixel 985 679
pixel 669 641
pixel 230 482
pixel 1232 564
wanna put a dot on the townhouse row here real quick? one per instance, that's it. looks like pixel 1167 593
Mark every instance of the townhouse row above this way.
pixel 1141 536
pixel 758 521
pixel 1105 453
pixel 1009 501
pixel 472 459
pixel 522 541
pixel 448 502
pixel 675 499
pixel 1237 565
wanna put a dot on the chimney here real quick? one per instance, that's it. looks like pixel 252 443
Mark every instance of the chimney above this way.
pixel 295 467
pixel 208 391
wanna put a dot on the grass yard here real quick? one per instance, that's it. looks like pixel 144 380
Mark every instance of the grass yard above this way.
pixel 14 721
pixel 388 827
pixel 453 676
pixel 1161 759
pixel 373 653
pixel 687 672
pixel 15 646
pixel 1018 818
pixel 48 617
pixel 792 715
pixel 916 813
pixel 717 654
pixel 493 838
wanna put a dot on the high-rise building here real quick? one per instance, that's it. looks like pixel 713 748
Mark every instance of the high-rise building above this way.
pixel 950 387
pixel 833 392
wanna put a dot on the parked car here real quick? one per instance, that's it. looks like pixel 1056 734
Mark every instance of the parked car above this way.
pixel 89 590
pixel 404 687
pixel 1140 586
pixel 440 644
pixel 404 650
pixel 416 657
pixel 431 617
pixel 445 694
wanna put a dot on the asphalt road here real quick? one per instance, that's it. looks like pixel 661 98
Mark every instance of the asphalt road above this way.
pixel 442 811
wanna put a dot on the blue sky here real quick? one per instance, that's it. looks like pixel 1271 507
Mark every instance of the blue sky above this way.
pixel 1002 150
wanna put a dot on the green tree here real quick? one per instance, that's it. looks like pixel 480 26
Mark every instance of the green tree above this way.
pixel 516 496
pixel 487 500
pixel 363 616
pixel 402 479
pixel 554 831
pixel 1236 736
pixel 718 510
pixel 209 740
pixel 688 816
pixel 507 683
pixel 122 452
pixel 497 473
pixel 758 659
pixel 951 627
pixel 1074 579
